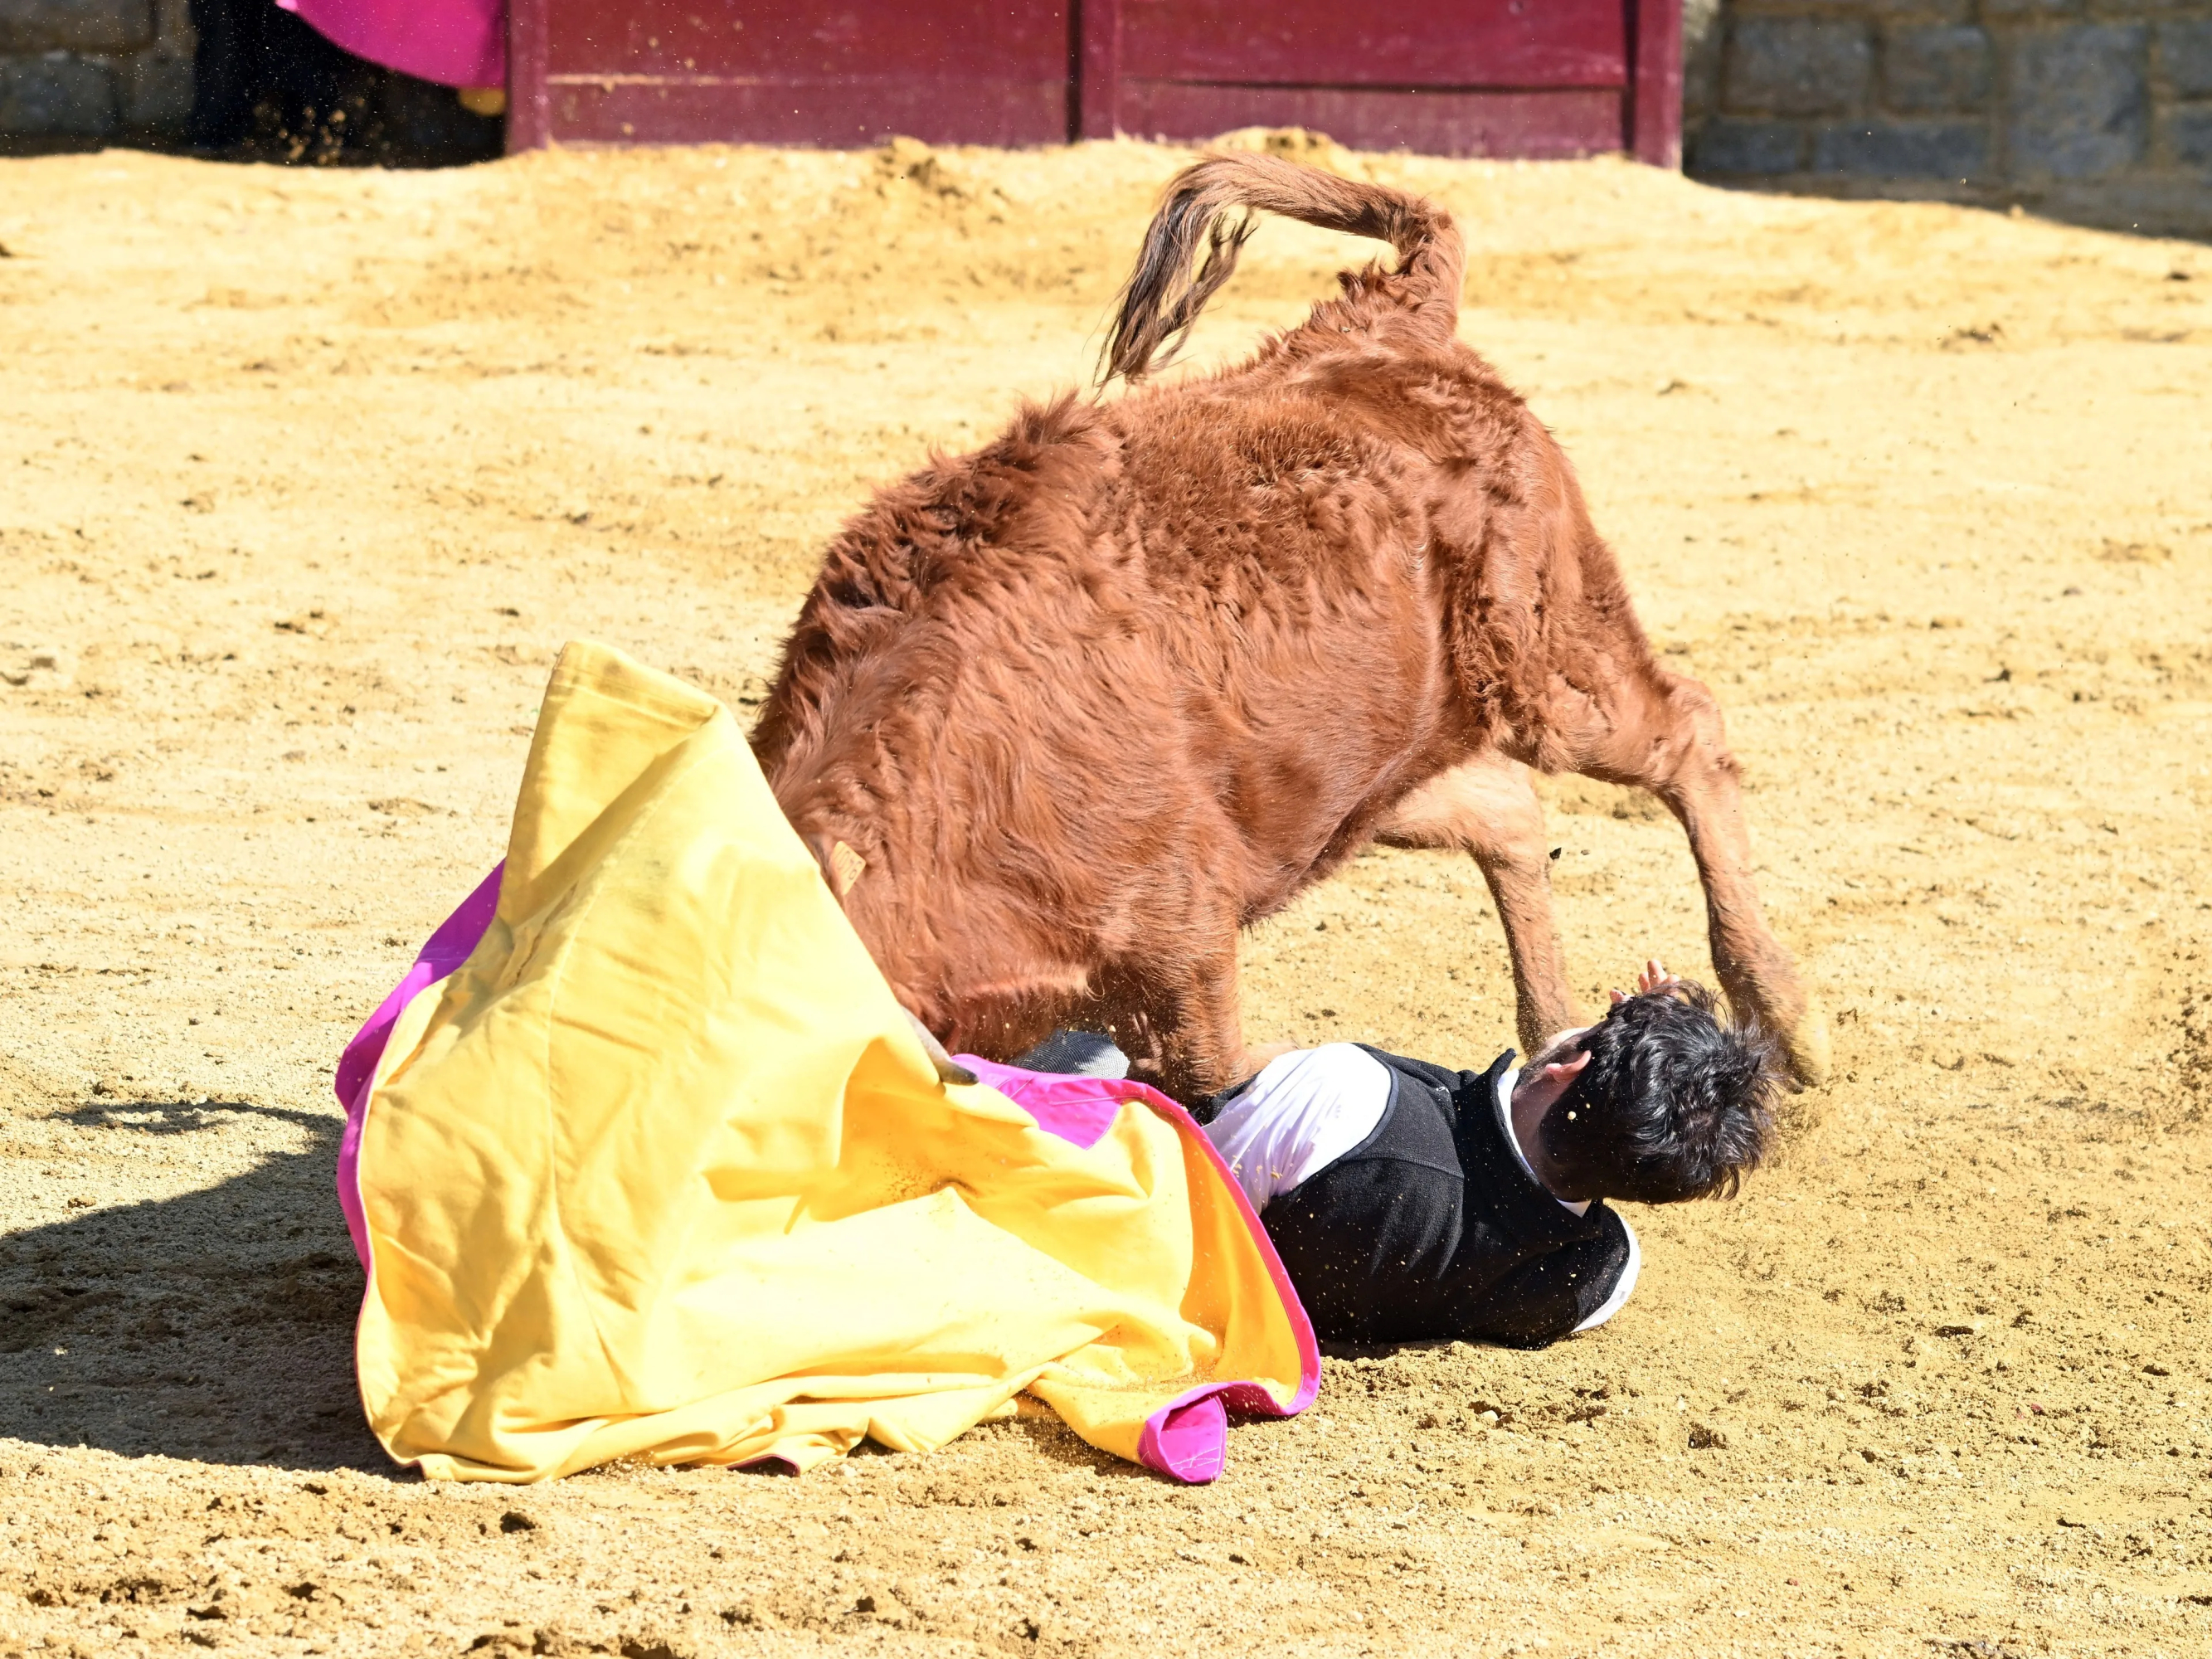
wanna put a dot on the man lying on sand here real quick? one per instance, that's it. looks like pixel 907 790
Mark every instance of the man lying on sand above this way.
pixel 1411 1202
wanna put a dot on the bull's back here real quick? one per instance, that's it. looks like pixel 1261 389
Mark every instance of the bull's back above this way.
pixel 1199 624
pixel 1284 547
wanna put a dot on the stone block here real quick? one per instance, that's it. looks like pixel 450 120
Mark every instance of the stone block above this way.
pixel 1796 66
pixel 57 97
pixel 2031 8
pixel 2184 57
pixel 1902 149
pixel 1926 11
pixel 157 94
pixel 175 35
pixel 2189 136
pixel 30 26
pixel 2080 100
pixel 1936 71
pixel 1762 148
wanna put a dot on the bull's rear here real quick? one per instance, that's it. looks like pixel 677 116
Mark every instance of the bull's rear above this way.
pixel 1061 715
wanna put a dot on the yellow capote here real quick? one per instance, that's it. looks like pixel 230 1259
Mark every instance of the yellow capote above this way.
pixel 661 1171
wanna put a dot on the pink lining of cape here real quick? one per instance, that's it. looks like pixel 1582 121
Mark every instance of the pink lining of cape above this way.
pixel 1187 1438
pixel 448 948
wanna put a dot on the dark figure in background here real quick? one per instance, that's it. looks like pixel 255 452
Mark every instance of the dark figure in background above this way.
pixel 265 83
pixel 254 57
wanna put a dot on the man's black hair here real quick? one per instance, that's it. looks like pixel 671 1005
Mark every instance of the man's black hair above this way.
pixel 1672 1105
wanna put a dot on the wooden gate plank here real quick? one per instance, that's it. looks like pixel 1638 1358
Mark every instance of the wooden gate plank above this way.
pixel 1516 46
pixel 840 112
pixel 801 71
pixel 529 113
pixel 1573 121
pixel 811 40
pixel 1458 78
pixel 1098 70
pixel 1655 119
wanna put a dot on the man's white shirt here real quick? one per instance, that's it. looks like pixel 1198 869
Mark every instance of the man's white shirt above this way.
pixel 1305 1110
pixel 1309 1108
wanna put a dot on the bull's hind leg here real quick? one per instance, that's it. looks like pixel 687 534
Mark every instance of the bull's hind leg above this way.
pixel 1662 732
pixel 1488 806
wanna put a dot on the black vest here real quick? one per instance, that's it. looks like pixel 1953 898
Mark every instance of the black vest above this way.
pixel 1431 1229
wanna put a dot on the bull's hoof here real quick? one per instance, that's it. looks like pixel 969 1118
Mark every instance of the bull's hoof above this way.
pixel 1805 1046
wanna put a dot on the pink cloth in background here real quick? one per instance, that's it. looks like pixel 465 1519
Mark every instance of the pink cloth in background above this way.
pixel 458 43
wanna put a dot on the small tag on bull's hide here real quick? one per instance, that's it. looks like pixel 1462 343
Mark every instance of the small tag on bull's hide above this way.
pixel 845 867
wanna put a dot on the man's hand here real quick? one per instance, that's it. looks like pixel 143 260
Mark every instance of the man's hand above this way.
pixel 1654 977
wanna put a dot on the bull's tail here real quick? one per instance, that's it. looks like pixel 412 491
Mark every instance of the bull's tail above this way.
pixel 1171 284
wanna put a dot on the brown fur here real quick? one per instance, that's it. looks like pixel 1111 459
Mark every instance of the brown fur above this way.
pixel 1084 703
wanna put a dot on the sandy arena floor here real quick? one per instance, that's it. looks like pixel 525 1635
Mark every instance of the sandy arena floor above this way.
pixel 306 475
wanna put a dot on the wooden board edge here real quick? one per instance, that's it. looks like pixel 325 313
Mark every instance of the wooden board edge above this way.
pixel 1654 101
pixel 529 99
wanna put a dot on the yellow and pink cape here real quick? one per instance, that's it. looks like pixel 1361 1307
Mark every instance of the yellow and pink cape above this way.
pixel 643 1160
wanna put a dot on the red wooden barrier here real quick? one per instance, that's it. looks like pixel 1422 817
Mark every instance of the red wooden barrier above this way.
pixel 1454 77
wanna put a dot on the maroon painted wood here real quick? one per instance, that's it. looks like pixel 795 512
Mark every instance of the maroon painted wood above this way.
pixel 1547 125
pixel 805 71
pixel 1655 109
pixel 1459 77
pixel 1376 43
pixel 1098 70
pixel 844 112
pixel 528 114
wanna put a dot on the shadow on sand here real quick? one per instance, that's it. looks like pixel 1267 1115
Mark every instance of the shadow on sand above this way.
pixel 2183 215
pixel 216 1325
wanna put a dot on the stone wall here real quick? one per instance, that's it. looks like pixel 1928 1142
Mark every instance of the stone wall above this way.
pixel 2099 109
pixel 74 69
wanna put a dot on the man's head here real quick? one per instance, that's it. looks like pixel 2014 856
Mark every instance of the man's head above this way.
pixel 1657 1103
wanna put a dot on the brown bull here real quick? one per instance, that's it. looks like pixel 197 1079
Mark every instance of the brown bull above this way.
pixel 1060 717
